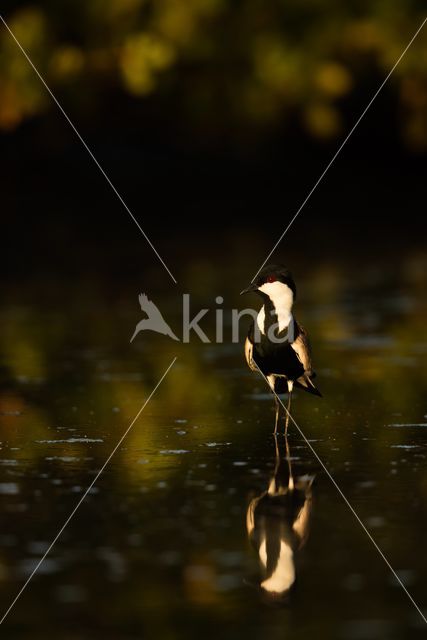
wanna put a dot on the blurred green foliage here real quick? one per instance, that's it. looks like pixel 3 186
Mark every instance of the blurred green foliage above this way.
pixel 228 64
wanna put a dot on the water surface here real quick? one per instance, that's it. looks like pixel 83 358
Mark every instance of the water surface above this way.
pixel 160 546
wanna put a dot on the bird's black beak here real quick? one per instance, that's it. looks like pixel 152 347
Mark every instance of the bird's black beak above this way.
pixel 252 287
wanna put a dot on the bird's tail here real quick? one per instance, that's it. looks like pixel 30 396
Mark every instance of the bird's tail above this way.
pixel 305 382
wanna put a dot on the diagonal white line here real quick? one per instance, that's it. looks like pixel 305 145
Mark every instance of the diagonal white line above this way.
pixel 324 467
pixel 74 128
pixel 42 559
pixel 342 145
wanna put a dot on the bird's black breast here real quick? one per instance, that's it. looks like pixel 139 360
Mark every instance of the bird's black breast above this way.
pixel 276 358
pixel 274 517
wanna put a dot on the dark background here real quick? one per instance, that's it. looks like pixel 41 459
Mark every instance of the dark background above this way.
pixel 218 151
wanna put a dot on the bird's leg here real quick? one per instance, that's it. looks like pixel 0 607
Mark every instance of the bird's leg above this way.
pixel 288 458
pixel 288 408
pixel 272 487
pixel 272 383
pixel 277 406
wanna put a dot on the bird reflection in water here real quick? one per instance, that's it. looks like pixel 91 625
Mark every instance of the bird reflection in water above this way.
pixel 278 524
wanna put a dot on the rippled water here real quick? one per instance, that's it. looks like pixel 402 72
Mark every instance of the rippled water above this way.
pixel 172 540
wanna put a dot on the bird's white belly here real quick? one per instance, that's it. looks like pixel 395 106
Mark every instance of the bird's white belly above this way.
pixel 284 318
pixel 260 320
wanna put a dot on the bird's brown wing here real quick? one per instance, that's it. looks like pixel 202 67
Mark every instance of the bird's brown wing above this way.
pixel 301 524
pixel 249 348
pixel 301 346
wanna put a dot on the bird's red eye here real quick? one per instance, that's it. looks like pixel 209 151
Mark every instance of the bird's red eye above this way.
pixel 271 279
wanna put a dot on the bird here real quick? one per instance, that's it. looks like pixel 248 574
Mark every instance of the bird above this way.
pixel 278 524
pixel 277 345
pixel 155 320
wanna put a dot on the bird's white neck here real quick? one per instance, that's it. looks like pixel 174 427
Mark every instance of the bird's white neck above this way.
pixel 283 575
pixel 282 298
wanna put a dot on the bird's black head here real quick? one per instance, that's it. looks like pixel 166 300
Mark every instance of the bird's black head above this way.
pixel 269 275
